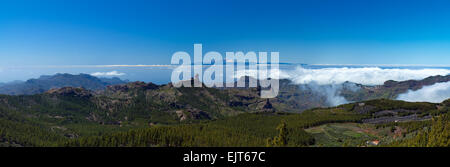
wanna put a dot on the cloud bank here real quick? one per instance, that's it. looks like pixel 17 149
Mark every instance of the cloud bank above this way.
pixel 361 75
pixel 436 93
pixel 365 75
pixel 329 82
pixel 330 92
pixel 107 74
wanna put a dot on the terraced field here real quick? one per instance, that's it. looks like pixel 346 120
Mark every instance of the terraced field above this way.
pixel 349 134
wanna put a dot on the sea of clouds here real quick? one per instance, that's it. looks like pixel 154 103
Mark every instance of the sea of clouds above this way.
pixel 434 93
pixel 363 75
pixel 339 75
pixel 329 82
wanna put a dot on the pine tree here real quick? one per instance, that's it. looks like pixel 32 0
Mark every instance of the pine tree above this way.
pixel 281 139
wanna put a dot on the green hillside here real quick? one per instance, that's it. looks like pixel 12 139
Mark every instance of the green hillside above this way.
pixel 145 114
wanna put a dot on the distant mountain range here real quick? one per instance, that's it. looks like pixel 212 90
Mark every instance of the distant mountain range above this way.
pixel 166 103
pixel 391 89
pixel 291 98
pixel 306 96
pixel 47 82
pixel 74 106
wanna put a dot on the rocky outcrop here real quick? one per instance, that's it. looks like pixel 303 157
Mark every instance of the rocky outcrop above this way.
pixel 265 106
pixel 191 113
pixel 268 105
pixel 132 85
pixel 70 91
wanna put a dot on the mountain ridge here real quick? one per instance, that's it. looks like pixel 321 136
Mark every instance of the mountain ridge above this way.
pixel 75 116
pixel 59 80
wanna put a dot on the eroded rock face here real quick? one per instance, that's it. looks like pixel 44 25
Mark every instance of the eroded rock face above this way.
pixel 265 106
pixel 70 91
pixel 128 90
pixel 191 113
pixel 181 115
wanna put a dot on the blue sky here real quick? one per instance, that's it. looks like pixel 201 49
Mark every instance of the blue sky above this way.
pixel 88 32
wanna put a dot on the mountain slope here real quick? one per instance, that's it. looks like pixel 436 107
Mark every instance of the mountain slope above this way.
pixel 391 89
pixel 45 83
pixel 217 117
pixel 256 128
pixel 302 97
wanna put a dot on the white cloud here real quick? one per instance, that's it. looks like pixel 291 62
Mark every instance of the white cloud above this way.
pixel 328 82
pixel 107 74
pixel 434 93
pixel 138 65
pixel 361 75
pixel 330 92
pixel 364 75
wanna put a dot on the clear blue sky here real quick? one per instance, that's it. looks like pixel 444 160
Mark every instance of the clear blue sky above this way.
pixel 91 32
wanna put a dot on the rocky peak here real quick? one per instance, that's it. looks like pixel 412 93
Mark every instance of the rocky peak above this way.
pixel 70 91
pixel 132 85
pixel 268 105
